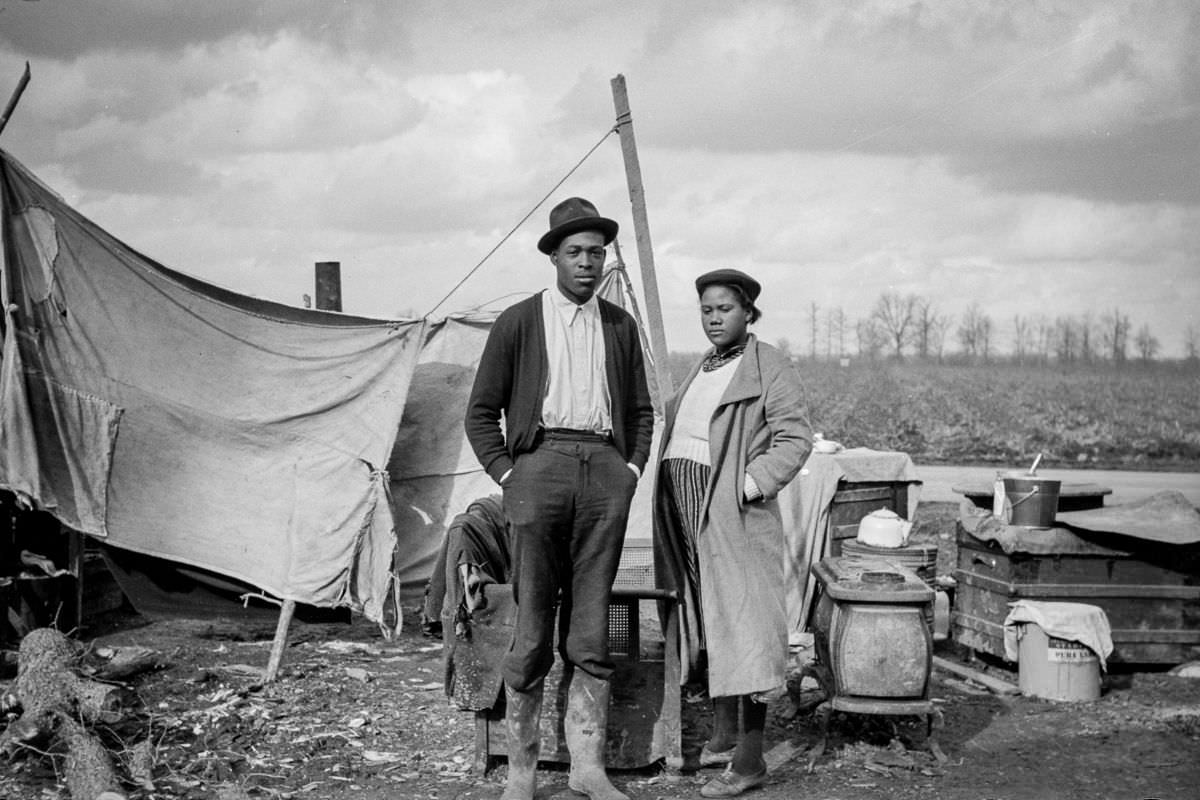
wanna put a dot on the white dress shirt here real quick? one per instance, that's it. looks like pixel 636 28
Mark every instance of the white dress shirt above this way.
pixel 577 395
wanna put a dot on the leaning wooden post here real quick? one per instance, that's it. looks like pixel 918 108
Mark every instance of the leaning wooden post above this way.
pixel 329 298
pixel 281 632
pixel 16 96
pixel 656 395
pixel 641 226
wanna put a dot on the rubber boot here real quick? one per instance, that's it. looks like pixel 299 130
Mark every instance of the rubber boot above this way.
pixel 586 727
pixel 522 720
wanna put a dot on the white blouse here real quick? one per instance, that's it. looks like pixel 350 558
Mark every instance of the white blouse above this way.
pixel 689 438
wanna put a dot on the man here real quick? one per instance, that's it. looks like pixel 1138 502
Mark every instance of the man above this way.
pixel 564 371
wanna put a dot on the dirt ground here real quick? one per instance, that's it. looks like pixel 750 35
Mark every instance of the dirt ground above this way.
pixel 353 715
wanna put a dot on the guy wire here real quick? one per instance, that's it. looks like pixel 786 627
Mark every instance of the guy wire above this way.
pixel 506 236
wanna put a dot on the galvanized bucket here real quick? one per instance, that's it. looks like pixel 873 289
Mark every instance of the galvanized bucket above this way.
pixel 1033 502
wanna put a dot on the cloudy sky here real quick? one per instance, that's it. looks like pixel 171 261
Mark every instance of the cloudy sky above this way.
pixel 1033 157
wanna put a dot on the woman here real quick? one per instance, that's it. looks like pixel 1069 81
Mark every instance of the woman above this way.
pixel 735 434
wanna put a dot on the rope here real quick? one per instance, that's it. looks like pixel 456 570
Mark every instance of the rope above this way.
pixel 538 205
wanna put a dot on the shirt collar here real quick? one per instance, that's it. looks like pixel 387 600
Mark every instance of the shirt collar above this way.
pixel 567 308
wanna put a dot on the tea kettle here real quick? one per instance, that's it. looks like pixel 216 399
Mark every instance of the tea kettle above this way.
pixel 884 528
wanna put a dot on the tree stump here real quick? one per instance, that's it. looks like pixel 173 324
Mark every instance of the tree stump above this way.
pixel 89 770
pixel 57 705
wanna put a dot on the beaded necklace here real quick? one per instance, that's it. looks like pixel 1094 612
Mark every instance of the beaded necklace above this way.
pixel 718 360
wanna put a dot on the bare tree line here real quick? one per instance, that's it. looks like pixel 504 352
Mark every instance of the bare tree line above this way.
pixel 900 326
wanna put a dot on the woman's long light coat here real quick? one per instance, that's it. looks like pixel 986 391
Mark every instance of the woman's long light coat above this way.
pixel 759 427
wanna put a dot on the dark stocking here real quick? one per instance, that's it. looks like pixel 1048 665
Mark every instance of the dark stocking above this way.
pixel 725 724
pixel 748 759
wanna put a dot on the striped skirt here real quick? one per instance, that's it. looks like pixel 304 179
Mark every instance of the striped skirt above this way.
pixel 686 482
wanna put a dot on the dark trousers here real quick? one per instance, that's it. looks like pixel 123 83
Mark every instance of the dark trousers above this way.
pixel 567 502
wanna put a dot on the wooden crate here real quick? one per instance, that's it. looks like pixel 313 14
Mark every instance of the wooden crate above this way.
pixel 644 710
pixel 1151 595
pixel 644 723
pixel 101 592
pixel 855 500
pixel 47 590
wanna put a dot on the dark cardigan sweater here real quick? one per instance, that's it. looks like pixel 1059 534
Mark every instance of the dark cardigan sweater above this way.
pixel 512 377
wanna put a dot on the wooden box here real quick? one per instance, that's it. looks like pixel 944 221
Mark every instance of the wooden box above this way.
pixel 644 711
pixel 855 500
pixel 40 572
pixel 1150 593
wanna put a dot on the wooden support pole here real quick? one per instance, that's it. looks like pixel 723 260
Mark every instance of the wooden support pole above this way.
pixel 75 550
pixel 670 723
pixel 281 632
pixel 16 96
pixel 656 395
pixel 641 226
pixel 329 285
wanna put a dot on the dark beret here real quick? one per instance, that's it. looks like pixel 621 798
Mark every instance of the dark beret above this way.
pixel 730 277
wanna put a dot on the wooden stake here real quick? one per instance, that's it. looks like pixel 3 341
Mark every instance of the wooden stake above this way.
pixel 281 632
pixel 641 226
pixel 16 96
pixel 75 549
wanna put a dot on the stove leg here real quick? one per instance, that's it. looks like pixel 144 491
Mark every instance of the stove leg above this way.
pixel 818 670
pixel 934 723
pixel 824 712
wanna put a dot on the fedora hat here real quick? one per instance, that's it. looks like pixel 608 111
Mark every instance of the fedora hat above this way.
pixel 730 277
pixel 572 216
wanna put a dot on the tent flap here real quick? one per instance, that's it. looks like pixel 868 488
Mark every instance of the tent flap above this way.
pixel 185 421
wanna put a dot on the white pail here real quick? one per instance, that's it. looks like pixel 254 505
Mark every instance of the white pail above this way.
pixel 1056 669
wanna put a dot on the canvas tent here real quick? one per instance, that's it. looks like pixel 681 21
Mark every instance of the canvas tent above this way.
pixel 177 419
pixel 317 456
pixel 434 474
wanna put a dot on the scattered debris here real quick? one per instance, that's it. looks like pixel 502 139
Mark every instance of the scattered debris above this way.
pixel 126 662
pixel 358 674
pixel 1190 669
pixel 42 564
pixel 966 686
pixel 210 728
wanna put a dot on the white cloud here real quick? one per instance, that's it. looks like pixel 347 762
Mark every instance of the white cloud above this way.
pixel 1005 153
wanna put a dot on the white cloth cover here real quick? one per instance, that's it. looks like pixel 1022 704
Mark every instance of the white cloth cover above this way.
pixel 1075 622
pixel 806 502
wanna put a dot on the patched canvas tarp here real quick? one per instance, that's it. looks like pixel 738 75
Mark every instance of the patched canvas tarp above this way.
pixel 434 473
pixel 181 420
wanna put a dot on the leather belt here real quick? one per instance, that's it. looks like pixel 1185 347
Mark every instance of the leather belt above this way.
pixel 572 435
